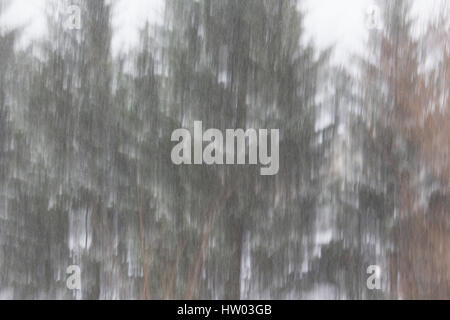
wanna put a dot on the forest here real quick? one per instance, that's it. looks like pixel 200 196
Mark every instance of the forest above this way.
pixel 87 180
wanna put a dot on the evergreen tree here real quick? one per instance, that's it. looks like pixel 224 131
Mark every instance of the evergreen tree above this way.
pixel 234 64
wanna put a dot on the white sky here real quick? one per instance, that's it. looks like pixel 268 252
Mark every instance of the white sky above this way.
pixel 328 22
